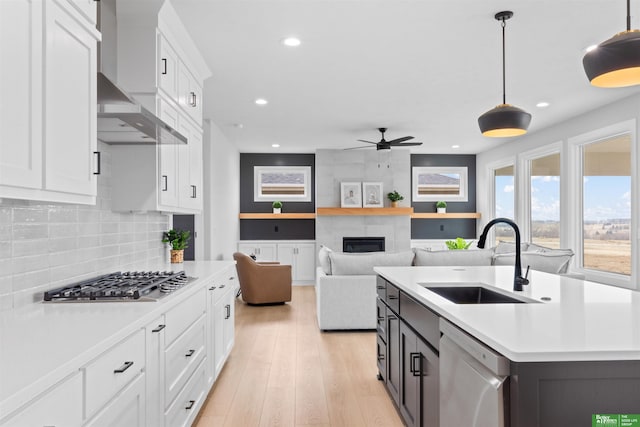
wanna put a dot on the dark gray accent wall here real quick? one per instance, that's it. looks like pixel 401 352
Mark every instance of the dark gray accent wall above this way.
pixel 187 223
pixel 249 160
pixel 446 228
pixel 275 229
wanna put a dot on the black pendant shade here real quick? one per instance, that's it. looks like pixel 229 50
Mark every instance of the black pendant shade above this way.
pixel 615 62
pixel 505 120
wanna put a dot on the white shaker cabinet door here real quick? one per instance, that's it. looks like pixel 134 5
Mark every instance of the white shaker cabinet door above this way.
pixel 20 93
pixel 70 104
pixel 168 188
pixel 167 68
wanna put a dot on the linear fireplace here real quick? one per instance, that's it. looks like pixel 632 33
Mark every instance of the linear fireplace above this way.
pixel 363 244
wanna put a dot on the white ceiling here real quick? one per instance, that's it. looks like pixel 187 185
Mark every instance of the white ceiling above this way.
pixel 426 68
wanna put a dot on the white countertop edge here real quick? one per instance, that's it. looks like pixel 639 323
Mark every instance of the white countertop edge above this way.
pixel 16 399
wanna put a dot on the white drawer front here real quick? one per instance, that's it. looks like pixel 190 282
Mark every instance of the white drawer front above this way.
pixel 184 314
pixel 187 404
pixel 182 358
pixel 112 371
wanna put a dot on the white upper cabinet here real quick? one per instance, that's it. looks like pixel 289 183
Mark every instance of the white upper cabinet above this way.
pixel 21 94
pixel 190 167
pixel 189 93
pixel 48 102
pixel 87 8
pixel 167 68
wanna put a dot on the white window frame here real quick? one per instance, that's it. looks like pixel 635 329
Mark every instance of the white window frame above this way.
pixel 523 199
pixel 258 171
pixel 575 203
pixel 490 173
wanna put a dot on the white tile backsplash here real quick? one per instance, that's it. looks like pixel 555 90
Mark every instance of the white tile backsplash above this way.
pixel 46 245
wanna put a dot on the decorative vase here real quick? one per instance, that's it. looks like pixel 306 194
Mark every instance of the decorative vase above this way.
pixel 177 256
pixel 441 210
pixel 394 204
pixel 277 210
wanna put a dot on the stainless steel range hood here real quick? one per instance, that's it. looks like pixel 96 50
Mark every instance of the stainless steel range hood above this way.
pixel 121 119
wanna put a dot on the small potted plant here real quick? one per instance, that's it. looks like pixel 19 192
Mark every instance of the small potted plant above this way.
pixel 277 207
pixel 441 207
pixel 395 197
pixel 459 243
pixel 178 240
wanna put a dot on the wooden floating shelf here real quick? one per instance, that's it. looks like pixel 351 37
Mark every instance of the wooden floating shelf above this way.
pixel 277 216
pixel 432 215
pixel 364 211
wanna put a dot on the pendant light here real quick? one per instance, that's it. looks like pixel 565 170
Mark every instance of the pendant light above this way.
pixel 504 120
pixel 615 62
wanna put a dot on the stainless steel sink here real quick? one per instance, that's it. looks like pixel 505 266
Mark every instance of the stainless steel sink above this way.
pixel 477 294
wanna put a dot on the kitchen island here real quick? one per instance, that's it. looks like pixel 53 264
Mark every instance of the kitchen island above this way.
pixel 572 350
pixel 118 363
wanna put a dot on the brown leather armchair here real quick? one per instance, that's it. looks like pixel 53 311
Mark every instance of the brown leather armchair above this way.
pixel 263 283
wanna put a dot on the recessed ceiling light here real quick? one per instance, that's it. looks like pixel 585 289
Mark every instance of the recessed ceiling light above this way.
pixel 238 125
pixel 590 48
pixel 291 41
pixel 455 147
pixel 542 104
pixel 261 101
pixel 275 145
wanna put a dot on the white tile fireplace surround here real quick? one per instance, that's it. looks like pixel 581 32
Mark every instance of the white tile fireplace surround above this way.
pixel 391 167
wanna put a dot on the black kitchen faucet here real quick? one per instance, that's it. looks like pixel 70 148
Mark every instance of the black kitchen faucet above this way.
pixel 518 280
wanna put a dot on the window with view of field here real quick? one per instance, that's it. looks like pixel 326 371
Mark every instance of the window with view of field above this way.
pixel 545 200
pixel 606 205
pixel 503 184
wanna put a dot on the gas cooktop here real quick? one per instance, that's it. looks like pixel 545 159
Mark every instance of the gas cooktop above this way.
pixel 127 286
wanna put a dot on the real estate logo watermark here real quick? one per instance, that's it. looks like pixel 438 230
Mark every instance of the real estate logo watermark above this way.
pixel 615 420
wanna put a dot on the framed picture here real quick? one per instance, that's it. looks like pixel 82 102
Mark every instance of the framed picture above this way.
pixel 350 195
pixel 284 183
pixel 432 184
pixel 372 195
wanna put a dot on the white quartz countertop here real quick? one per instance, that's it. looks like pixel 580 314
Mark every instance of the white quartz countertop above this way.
pixel 42 343
pixel 583 321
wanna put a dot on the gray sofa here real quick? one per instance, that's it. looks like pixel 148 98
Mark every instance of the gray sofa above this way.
pixel 346 282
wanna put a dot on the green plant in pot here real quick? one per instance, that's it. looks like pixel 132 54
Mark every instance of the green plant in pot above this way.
pixel 395 197
pixel 459 243
pixel 277 207
pixel 441 207
pixel 179 241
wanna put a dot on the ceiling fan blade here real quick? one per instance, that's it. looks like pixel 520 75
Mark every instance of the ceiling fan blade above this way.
pixel 355 148
pixel 407 144
pixel 395 141
pixel 368 142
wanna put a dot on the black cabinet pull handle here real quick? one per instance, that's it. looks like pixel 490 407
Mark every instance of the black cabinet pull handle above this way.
pixel 190 405
pixel 415 370
pixel 380 357
pixel 193 99
pixel 222 286
pixel 164 65
pixel 231 278
pixel 159 328
pixel 193 192
pixel 98 162
pixel 393 297
pixel 212 288
pixel 123 368
pixel 189 353
pixel 228 309
pixel 165 183
pixel 380 319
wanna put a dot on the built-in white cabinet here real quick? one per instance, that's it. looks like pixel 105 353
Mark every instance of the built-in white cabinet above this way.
pixel 222 294
pixel 87 8
pixel 167 69
pixel 49 141
pixel 189 93
pixel 59 406
pixel 301 255
pixel 154 371
pixel 263 251
pixel 126 409
pixel 190 168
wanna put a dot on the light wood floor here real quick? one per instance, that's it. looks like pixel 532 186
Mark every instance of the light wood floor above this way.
pixel 284 372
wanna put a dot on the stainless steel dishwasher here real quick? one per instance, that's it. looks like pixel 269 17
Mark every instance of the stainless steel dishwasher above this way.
pixel 473 381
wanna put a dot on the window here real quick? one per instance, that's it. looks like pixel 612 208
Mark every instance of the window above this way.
pixel 292 183
pixel 503 184
pixel 544 201
pixel 606 205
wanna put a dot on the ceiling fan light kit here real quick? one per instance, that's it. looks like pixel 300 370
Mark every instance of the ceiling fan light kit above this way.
pixel 615 62
pixel 505 120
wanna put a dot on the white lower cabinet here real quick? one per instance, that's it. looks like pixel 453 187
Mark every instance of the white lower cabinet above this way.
pixel 186 406
pixel 222 294
pixel 126 409
pixel 59 406
pixel 300 255
pixel 182 358
pixel 154 375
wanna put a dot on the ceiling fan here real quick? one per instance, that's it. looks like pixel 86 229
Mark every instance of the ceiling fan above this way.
pixel 386 145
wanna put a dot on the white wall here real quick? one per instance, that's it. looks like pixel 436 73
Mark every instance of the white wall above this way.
pixel 222 201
